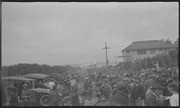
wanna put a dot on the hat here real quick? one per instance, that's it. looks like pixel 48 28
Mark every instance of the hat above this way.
pixel 173 86
pixel 25 85
pixel 161 81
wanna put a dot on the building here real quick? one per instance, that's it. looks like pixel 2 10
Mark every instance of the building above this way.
pixel 150 48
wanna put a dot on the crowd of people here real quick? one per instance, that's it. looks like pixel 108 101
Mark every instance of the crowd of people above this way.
pixel 16 92
pixel 148 87
pixel 154 87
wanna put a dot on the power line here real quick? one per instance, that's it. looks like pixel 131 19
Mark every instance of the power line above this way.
pixel 106 53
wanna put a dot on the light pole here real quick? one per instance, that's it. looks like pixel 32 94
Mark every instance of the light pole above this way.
pixel 106 53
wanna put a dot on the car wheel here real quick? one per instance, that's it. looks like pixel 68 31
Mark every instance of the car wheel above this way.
pixel 45 99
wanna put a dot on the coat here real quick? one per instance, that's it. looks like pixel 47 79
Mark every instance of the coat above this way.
pixel 149 82
pixel 151 99
pixel 138 91
pixel 75 100
pixel 120 99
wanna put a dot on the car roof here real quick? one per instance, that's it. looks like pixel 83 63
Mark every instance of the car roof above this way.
pixel 17 78
pixel 36 76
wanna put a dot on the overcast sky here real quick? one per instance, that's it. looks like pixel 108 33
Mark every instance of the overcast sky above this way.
pixel 71 33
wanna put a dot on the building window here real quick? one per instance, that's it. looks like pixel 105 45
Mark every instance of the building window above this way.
pixel 141 52
pixel 152 51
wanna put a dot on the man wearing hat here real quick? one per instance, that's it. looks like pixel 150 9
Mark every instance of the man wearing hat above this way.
pixel 154 95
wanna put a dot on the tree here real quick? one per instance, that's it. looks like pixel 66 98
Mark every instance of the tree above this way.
pixel 177 41
pixel 22 69
pixel 167 41
pixel 126 65
pixel 173 54
pixel 137 65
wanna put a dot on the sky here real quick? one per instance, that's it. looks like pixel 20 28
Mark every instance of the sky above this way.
pixel 60 33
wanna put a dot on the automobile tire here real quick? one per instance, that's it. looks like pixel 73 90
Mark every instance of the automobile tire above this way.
pixel 44 99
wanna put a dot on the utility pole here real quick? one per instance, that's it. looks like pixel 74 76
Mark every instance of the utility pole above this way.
pixel 106 53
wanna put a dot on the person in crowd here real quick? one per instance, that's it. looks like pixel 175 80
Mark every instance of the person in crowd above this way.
pixel 4 96
pixel 11 85
pixel 55 96
pixel 86 83
pixel 75 98
pixel 80 91
pixel 14 99
pixel 138 93
pixel 72 83
pixel 120 95
pixel 29 84
pixel 153 95
pixel 19 89
pixel 59 87
pixel 149 82
pixel 176 80
pixel 163 81
pixel 93 90
pixel 16 84
pixel 26 94
pixel 106 89
pixel 51 85
pixel 174 99
pixel 39 84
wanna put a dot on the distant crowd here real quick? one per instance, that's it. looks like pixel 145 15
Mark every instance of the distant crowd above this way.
pixel 148 87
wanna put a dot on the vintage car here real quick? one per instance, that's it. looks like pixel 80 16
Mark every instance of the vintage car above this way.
pixel 42 96
pixel 7 81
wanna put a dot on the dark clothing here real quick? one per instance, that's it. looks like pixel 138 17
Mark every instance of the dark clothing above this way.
pixel 39 85
pixel 149 82
pixel 15 85
pixel 54 98
pixel 138 91
pixel 86 85
pixel 14 100
pixel 120 99
pixel 75 100
pixel 151 100
pixel 20 88
pixel 166 93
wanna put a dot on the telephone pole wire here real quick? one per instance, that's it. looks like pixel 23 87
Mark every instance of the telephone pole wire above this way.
pixel 106 53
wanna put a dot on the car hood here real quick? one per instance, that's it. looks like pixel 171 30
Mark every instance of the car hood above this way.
pixel 41 90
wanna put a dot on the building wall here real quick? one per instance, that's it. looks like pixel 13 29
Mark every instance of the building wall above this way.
pixel 149 53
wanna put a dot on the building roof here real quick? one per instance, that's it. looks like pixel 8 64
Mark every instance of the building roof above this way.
pixel 150 44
